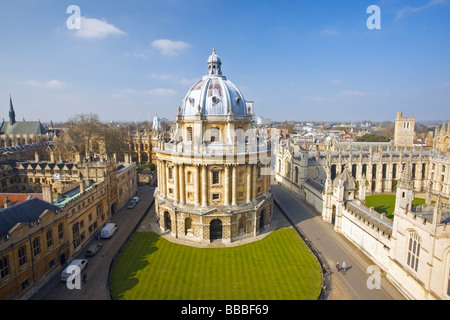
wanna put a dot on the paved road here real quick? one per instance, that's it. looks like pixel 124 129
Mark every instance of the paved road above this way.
pixel 350 285
pixel 97 269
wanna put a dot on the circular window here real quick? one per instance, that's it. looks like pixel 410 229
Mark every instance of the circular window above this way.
pixel 238 100
pixel 191 101
pixel 215 100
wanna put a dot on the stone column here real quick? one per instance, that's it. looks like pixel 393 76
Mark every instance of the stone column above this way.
pixel 234 186
pixel 163 179
pixel 254 177
pixel 175 183
pixel 182 184
pixel 226 200
pixel 197 186
pixel 249 183
pixel 204 186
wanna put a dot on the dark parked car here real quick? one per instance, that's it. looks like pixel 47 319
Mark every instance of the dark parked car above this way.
pixel 93 249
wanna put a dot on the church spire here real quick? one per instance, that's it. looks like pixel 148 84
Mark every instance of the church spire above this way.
pixel 12 114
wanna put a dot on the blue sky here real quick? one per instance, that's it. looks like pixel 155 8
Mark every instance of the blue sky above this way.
pixel 297 60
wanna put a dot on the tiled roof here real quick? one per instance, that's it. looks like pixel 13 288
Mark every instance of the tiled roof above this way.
pixel 16 198
pixel 25 212
pixel 23 127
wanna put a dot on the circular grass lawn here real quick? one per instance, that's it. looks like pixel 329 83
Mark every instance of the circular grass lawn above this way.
pixel 277 267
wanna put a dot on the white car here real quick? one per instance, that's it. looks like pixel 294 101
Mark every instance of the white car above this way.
pixel 70 269
pixel 136 199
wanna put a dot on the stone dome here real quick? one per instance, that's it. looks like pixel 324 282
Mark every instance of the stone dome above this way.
pixel 214 94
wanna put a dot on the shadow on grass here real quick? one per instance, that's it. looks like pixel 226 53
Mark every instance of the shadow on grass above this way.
pixel 133 259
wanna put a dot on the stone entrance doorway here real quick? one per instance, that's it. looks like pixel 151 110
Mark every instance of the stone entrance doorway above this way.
pixel 215 230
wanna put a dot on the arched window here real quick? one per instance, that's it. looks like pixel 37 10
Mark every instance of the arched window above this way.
pixel 21 253
pixel 61 230
pixel 49 238
pixel 167 221
pixel 4 267
pixel 413 250
pixel 187 225
pixel 36 246
pixel 296 175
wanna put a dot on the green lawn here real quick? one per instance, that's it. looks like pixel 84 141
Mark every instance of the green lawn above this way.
pixel 385 203
pixel 280 266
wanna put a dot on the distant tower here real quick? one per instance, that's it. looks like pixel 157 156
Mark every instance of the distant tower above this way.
pixel 156 124
pixel 12 114
pixel 405 192
pixel 404 131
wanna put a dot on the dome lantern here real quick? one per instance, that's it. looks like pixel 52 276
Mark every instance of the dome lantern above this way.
pixel 214 64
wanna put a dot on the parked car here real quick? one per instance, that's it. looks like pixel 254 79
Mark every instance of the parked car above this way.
pixel 93 249
pixel 136 199
pixel 80 263
pixel 131 204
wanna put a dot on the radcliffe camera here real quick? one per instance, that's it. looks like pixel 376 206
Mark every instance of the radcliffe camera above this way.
pixel 224 158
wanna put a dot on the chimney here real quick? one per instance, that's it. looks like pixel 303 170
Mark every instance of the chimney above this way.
pixel 36 156
pixel 6 203
pixel 82 187
pixel 47 193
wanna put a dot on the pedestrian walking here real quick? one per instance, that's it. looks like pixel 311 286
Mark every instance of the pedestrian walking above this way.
pixel 84 277
pixel 338 266
pixel 344 266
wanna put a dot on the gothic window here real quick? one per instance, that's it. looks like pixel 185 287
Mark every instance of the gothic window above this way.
pixel 36 247
pixel 21 253
pixel 296 175
pixel 49 239
pixel 60 231
pixel 413 250
pixel 384 171
pixel 394 171
pixel 354 169
pixel 4 267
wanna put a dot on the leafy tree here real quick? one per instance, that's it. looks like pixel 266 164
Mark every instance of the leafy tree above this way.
pixel 371 137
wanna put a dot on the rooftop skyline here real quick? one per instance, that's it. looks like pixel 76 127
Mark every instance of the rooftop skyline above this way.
pixel 297 60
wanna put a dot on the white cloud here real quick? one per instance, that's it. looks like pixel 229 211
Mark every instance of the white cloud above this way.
pixel 352 93
pixel 168 47
pixel 172 78
pixel 330 31
pixel 161 92
pixel 94 29
pixel 52 84
pixel 156 92
pixel 409 10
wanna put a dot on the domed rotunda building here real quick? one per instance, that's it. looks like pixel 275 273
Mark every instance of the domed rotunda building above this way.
pixel 214 175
